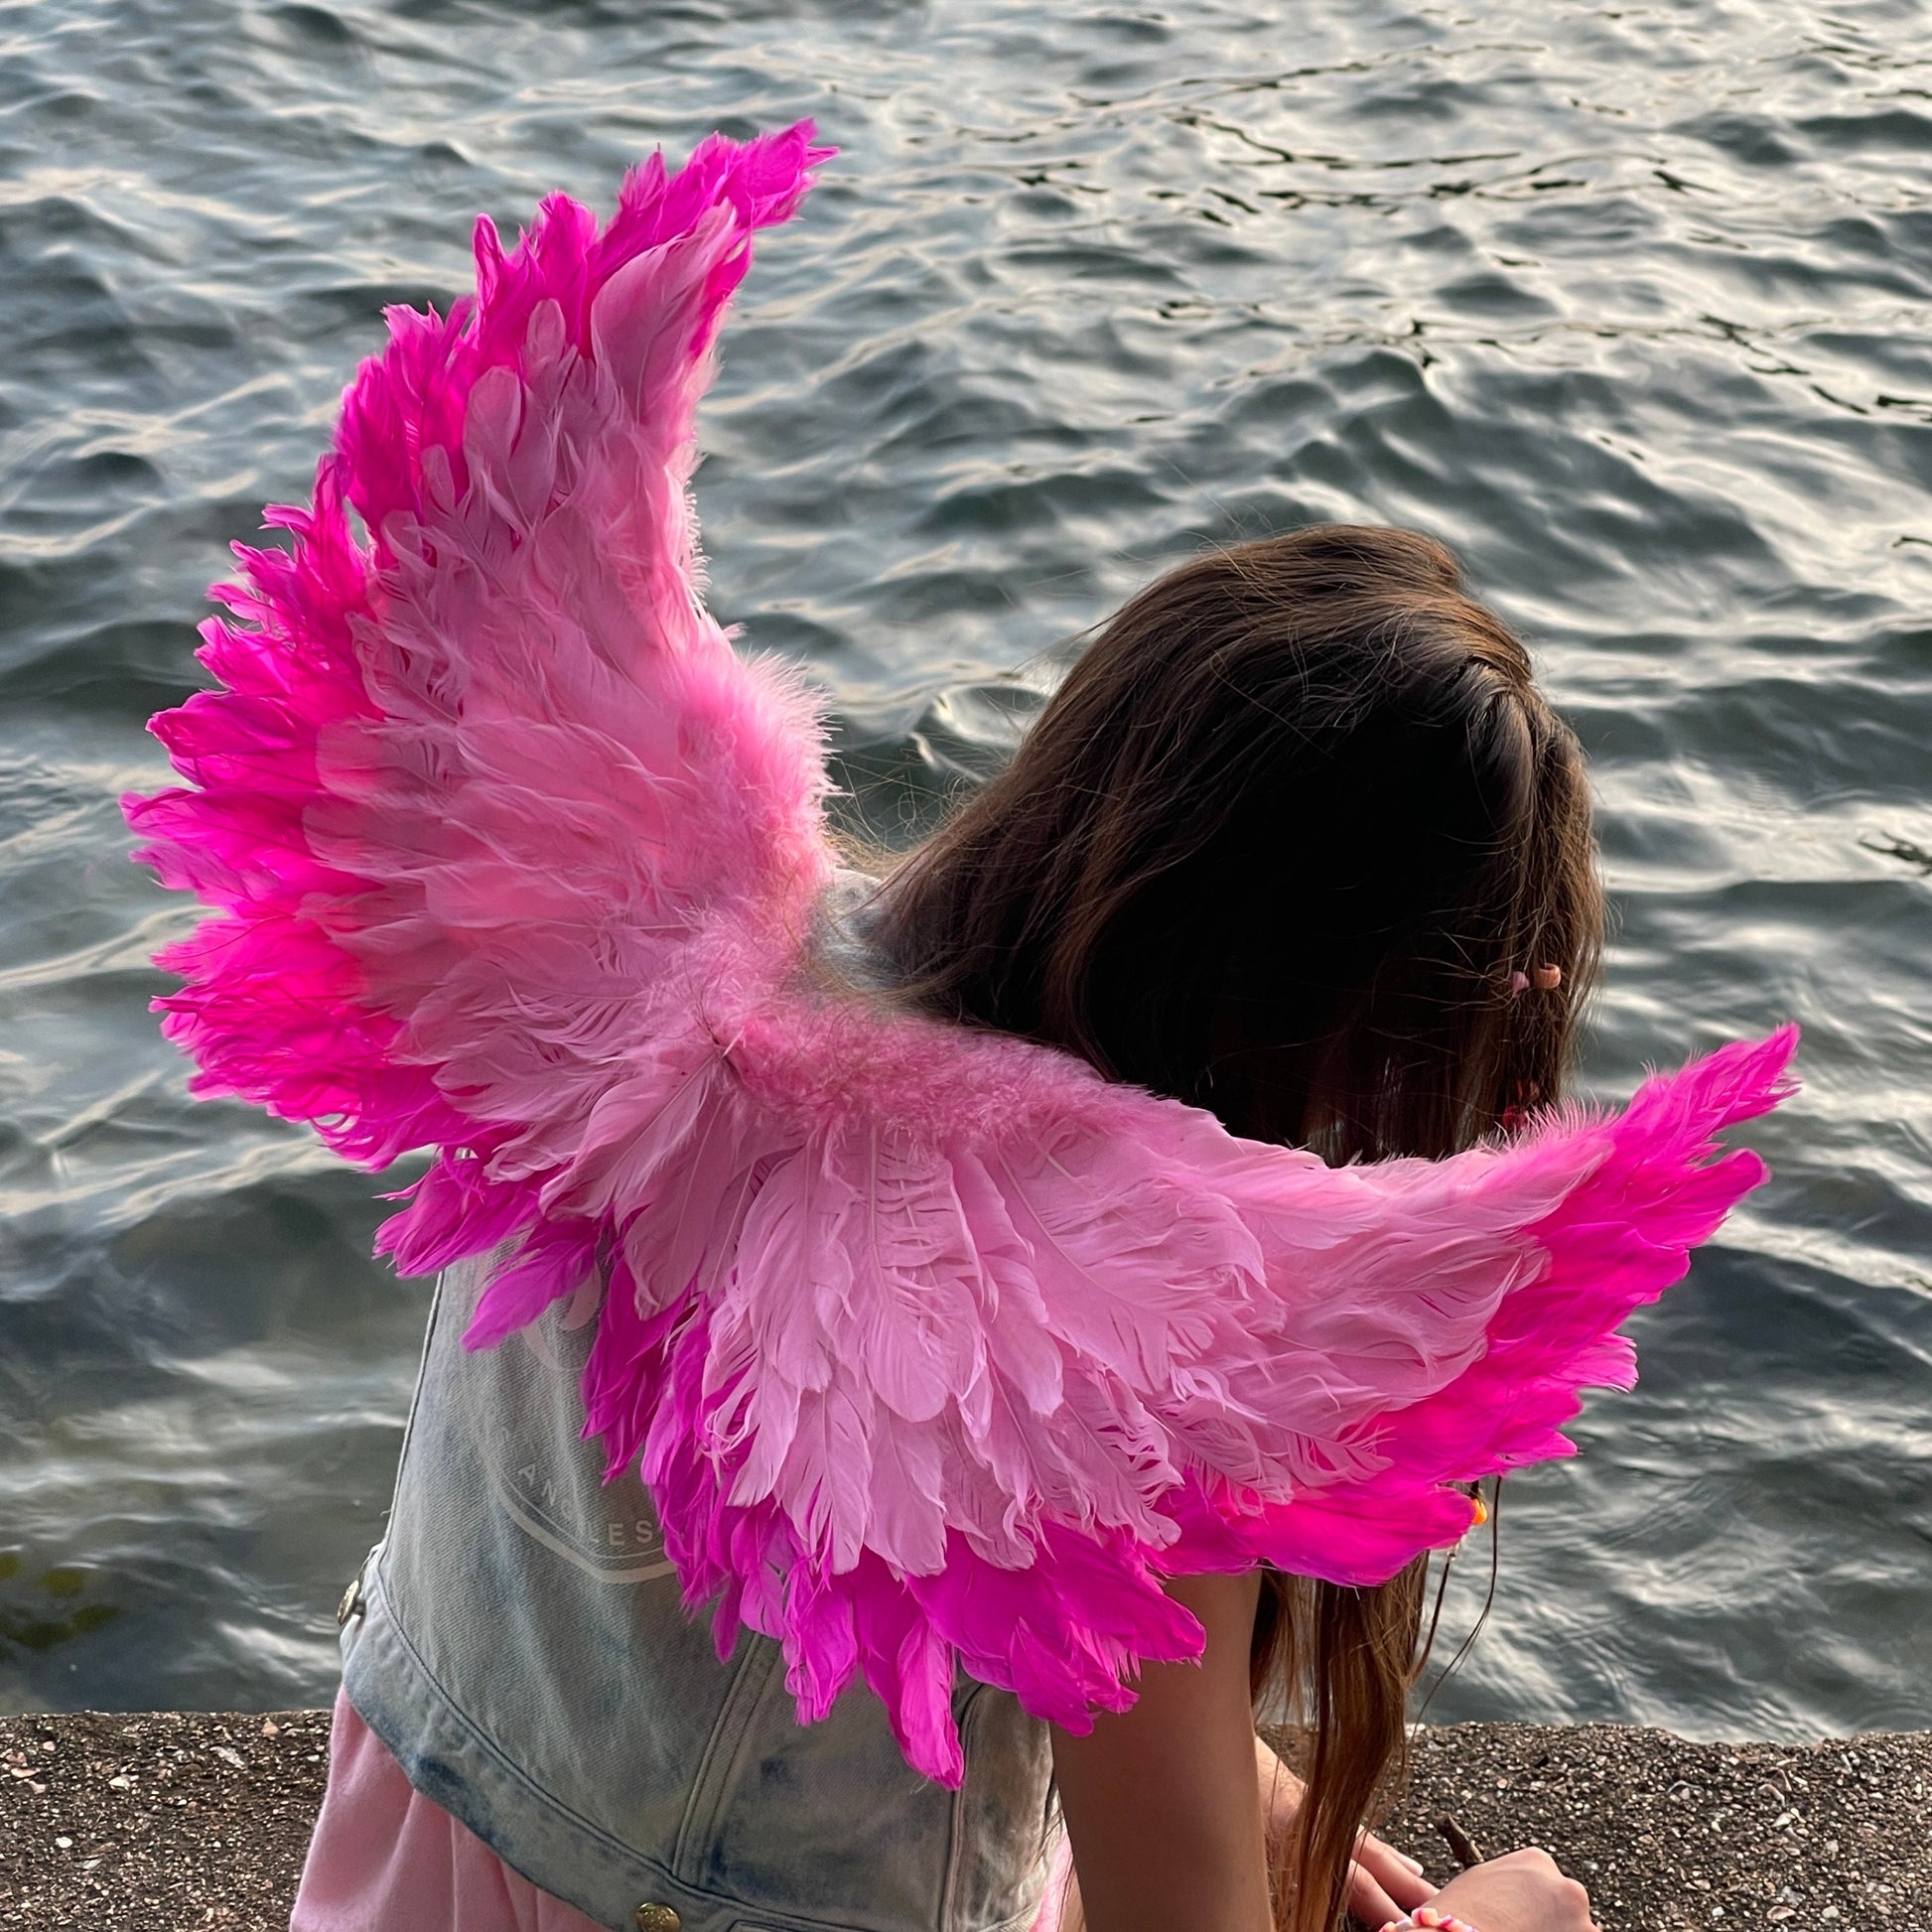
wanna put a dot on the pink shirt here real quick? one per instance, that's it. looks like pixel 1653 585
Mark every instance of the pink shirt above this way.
pixel 385 1859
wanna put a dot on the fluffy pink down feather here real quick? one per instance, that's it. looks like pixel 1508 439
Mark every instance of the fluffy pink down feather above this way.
pixel 933 1348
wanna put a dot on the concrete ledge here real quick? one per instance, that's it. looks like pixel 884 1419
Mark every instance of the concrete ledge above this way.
pixel 176 1821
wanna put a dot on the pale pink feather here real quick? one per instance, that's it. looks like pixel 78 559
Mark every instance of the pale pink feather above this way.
pixel 933 1348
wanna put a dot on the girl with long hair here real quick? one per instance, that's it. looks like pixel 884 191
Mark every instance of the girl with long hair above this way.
pixel 1275 848
pixel 914 1357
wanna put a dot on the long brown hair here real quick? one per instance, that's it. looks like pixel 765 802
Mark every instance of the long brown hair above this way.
pixel 1276 846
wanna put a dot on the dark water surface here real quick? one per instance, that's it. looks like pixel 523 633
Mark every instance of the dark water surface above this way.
pixel 1628 305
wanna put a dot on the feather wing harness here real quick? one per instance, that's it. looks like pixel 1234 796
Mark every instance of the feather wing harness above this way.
pixel 933 1348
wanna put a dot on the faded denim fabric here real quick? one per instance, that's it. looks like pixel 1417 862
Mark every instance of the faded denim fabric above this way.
pixel 519 1644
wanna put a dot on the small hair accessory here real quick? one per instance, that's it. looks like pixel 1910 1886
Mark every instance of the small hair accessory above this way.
pixel 1546 979
pixel 1426 1918
pixel 1516 1115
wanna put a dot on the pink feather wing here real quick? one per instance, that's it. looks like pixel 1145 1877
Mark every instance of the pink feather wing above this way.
pixel 935 1348
pixel 477 794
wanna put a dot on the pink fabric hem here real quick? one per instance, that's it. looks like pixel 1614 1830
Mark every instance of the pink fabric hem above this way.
pixel 1058 1895
pixel 385 1859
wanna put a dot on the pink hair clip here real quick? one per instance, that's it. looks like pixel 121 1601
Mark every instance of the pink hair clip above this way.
pixel 1426 1918
pixel 1546 979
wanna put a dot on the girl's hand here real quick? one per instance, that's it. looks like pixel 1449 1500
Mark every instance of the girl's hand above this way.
pixel 1386 1882
pixel 1383 1883
pixel 1523 1892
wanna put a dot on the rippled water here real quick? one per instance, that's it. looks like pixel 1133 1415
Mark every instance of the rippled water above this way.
pixel 1627 305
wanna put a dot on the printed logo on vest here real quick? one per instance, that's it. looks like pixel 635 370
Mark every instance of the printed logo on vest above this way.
pixel 525 1412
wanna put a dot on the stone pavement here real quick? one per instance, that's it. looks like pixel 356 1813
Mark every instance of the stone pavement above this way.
pixel 174 1821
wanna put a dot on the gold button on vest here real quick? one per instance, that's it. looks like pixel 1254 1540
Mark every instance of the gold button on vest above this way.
pixel 652 1917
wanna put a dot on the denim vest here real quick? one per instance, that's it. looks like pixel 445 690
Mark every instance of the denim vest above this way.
pixel 518 1642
